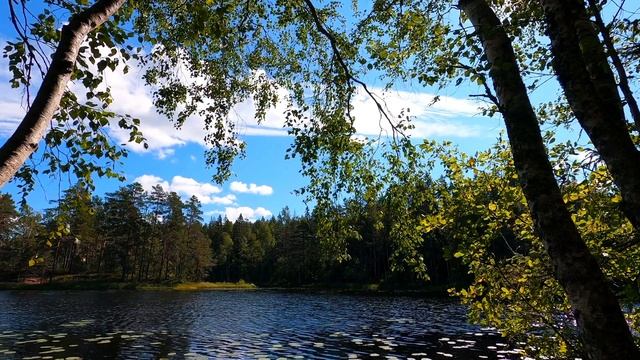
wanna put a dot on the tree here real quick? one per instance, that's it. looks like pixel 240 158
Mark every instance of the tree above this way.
pixel 612 52
pixel 175 227
pixel 514 287
pixel 406 40
pixel 8 215
pixel 242 51
pixel 583 70
pixel 31 130
pixel 21 239
pixel 30 240
pixel 8 223
pixel 157 216
pixel 125 225
pixel 193 211
pixel 224 254
pixel 199 245
pixel 79 211
pixel 263 249
pixel 242 237
pixel 574 265
pixel 605 332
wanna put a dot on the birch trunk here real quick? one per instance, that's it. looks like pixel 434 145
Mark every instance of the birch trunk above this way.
pixel 583 71
pixel 31 130
pixel 603 329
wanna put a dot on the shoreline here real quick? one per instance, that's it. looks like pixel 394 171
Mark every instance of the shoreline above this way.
pixel 117 285
pixel 352 289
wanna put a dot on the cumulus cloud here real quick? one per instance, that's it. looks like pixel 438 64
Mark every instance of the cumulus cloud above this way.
pixel 187 187
pixel 131 96
pixel 587 156
pixel 240 187
pixel 149 181
pixel 222 200
pixel 232 213
pixel 448 117
pixel 12 108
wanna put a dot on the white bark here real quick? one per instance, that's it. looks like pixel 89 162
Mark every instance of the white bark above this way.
pixel 31 130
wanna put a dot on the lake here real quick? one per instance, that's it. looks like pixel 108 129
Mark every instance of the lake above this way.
pixel 238 324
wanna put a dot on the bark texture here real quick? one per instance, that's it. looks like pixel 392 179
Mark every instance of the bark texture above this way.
pixel 602 326
pixel 31 130
pixel 623 79
pixel 583 71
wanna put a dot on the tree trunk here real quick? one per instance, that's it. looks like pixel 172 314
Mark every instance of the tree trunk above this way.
pixel 584 73
pixel 26 137
pixel 623 78
pixel 602 326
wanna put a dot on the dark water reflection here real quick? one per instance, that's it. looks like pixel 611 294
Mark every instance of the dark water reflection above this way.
pixel 251 324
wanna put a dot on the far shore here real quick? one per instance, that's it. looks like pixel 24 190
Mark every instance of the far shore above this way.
pixel 64 283
pixel 118 285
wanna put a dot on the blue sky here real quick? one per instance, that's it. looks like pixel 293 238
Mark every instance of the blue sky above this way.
pixel 263 182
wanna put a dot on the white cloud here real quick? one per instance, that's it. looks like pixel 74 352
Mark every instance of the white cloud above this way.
pixel 12 108
pixel 257 130
pixel 132 97
pixel 238 186
pixel 449 117
pixel 187 187
pixel 7 127
pixel 149 181
pixel 232 213
pixel 587 156
pixel 228 199
pixel 165 153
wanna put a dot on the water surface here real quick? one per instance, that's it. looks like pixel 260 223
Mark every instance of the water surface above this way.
pixel 238 325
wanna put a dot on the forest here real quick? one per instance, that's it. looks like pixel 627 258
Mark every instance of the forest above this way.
pixel 537 235
pixel 134 236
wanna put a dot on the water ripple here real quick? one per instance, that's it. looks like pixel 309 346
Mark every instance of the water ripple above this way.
pixel 238 325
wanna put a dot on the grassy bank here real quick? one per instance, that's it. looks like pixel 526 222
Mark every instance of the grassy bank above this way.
pixel 203 285
pixel 112 282
pixel 368 289
pixel 116 285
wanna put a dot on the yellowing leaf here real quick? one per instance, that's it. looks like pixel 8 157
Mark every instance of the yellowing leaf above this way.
pixel 31 262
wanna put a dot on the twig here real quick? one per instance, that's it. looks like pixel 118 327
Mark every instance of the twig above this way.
pixel 338 55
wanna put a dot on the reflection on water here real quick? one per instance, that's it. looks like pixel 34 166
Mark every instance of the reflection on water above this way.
pixel 252 324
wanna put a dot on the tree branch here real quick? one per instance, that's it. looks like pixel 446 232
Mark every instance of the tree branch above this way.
pixel 26 137
pixel 623 79
pixel 338 55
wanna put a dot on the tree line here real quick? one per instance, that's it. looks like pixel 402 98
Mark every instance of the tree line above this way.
pixel 136 236
pixel 142 237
